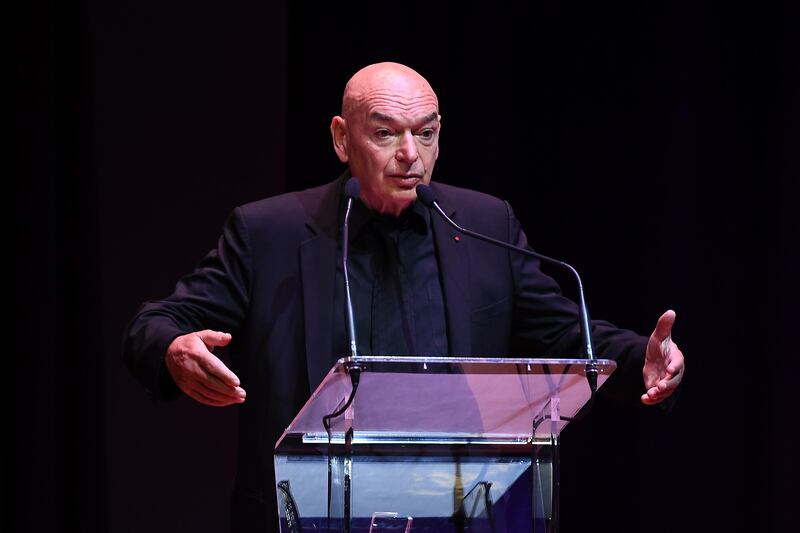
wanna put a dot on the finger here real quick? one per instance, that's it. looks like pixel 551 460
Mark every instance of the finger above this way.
pixel 213 366
pixel 662 390
pixel 654 396
pixel 651 400
pixel 675 362
pixel 213 338
pixel 230 395
pixel 212 382
pixel 207 398
pixel 664 326
pixel 670 381
pixel 667 384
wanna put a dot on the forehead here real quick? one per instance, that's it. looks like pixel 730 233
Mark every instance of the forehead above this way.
pixel 394 96
pixel 390 108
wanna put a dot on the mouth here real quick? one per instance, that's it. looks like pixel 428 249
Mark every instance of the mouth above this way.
pixel 406 181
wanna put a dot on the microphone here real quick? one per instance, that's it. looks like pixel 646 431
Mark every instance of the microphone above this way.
pixel 351 192
pixel 428 198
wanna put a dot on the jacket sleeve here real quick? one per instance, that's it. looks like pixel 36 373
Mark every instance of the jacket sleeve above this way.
pixel 215 295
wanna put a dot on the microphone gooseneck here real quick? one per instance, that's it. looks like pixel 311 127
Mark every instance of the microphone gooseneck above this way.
pixel 351 192
pixel 428 198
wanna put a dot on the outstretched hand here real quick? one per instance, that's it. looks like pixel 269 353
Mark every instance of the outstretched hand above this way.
pixel 199 373
pixel 663 365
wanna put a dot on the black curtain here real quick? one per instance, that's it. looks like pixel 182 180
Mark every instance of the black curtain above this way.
pixel 135 128
pixel 53 477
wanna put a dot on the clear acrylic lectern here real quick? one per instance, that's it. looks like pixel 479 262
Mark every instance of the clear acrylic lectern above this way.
pixel 431 444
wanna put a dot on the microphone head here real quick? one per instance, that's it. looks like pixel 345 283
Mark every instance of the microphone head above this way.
pixel 426 195
pixel 352 189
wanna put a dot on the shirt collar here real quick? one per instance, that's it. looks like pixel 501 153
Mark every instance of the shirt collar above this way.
pixel 416 217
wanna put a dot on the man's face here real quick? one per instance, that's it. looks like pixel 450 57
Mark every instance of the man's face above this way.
pixel 390 139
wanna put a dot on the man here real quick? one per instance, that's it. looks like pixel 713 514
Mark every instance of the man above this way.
pixel 271 290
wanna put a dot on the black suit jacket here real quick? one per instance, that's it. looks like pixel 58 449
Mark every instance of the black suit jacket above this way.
pixel 270 283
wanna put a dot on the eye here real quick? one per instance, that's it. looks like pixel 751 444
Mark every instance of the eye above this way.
pixel 427 134
pixel 383 133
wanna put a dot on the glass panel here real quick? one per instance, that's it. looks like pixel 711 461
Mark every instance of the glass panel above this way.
pixel 422 493
pixel 446 400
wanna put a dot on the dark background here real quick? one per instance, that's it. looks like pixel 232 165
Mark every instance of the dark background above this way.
pixel 653 145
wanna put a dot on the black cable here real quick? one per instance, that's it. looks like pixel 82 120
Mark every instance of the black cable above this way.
pixel 355 377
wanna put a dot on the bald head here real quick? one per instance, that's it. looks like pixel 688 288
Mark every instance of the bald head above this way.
pixel 380 79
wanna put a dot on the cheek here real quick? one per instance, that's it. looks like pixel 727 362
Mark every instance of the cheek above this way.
pixel 430 156
pixel 382 161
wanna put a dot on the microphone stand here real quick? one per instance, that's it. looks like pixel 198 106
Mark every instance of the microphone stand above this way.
pixel 351 192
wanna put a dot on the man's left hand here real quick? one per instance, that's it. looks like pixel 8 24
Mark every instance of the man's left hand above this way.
pixel 663 364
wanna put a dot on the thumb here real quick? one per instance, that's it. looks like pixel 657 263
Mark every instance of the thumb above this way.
pixel 664 326
pixel 213 338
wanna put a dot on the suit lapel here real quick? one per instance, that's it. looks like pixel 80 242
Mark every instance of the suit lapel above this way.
pixel 318 274
pixel 318 268
pixel 453 254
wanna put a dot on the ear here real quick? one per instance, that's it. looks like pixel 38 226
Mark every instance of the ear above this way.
pixel 339 135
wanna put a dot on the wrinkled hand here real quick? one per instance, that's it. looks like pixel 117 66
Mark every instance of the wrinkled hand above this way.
pixel 663 365
pixel 199 373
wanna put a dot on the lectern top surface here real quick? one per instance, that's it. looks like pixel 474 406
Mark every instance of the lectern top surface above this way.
pixel 448 399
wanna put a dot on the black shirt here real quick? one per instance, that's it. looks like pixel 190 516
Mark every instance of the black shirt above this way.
pixel 394 282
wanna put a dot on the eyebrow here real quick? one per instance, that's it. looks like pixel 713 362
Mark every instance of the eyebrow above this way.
pixel 389 118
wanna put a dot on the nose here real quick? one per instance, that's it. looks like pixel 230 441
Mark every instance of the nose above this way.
pixel 407 151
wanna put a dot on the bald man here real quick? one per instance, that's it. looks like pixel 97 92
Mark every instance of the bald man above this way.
pixel 272 292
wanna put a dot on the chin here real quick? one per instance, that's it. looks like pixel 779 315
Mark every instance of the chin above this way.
pixel 404 198
pixel 398 203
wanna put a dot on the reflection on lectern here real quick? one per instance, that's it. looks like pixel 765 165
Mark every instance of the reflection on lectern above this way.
pixel 288 507
pixel 385 522
pixel 477 508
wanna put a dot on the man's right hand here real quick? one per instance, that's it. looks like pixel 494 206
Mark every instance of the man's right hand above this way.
pixel 199 373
